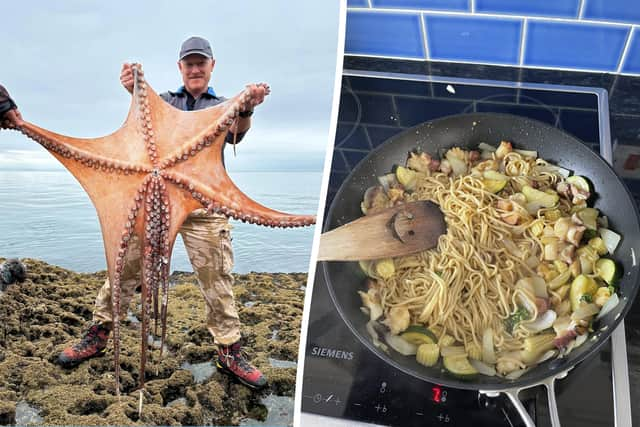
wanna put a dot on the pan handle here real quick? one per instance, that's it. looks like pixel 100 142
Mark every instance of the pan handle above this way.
pixel 513 396
pixel 512 393
pixel 551 397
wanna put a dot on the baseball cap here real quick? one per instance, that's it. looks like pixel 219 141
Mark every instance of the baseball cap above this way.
pixel 196 45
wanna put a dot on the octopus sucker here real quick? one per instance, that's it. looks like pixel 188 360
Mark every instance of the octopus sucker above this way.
pixel 146 178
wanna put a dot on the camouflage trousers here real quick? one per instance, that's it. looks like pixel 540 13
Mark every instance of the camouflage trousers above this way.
pixel 207 238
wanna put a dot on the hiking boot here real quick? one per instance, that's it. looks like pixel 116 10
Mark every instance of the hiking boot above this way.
pixel 93 344
pixel 232 361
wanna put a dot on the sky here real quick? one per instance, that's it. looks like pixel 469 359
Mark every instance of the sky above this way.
pixel 61 63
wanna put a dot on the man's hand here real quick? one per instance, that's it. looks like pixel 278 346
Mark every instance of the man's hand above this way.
pixel 14 117
pixel 126 77
pixel 258 93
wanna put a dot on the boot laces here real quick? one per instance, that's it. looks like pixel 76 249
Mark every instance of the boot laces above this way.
pixel 91 337
pixel 230 355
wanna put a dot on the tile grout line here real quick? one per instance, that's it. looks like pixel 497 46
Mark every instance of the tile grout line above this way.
pixel 581 10
pixel 473 6
pixel 625 50
pixel 491 15
pixel 533 67
pixel 523 41
pixel 369 3
pixel 423 28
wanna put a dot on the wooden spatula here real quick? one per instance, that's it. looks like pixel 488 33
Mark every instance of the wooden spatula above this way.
pixel 400 230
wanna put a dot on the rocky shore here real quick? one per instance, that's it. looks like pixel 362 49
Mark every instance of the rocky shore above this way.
pixel 52 308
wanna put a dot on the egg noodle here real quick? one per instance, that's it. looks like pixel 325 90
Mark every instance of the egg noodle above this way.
pixel 469 283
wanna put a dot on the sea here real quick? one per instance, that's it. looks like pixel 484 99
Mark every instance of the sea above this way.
pixel 47 215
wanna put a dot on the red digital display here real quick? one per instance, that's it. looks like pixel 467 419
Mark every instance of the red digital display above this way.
pixel 436 394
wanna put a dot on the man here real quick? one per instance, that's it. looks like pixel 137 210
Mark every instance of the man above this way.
pixel 8 108
pixel 206 237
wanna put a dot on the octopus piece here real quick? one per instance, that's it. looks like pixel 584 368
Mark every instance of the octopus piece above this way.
pixel 147 177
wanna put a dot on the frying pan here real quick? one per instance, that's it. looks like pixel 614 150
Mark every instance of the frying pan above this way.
pixel 468 130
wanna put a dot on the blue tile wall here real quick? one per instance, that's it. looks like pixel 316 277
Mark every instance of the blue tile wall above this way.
pixel 477 39
pixel 389 34
pixel 564 45
pixel 557 8
pixel 585 35
pixel 632 62
pixel 612 10
pixel 461 5
pixel 357 3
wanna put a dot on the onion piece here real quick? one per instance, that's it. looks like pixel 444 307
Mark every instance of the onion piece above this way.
pixel 483 146
pixel 539 287
pixel 527 153
pixel 561 324
pixel 512 248
pixel 483 368
pixel 610 239
pixel 488 352
pixel 516 374
pixel 526 303
pixel 560 279
pixel 553 168
pixel 374 336
pixel 611 303
pixel 532 261
pixel 603 221
pixel 585 311
pixel 452 350
pixel 544 321
pixel 580 339
pixel 387 181
pixel 546 356
pixel 400 345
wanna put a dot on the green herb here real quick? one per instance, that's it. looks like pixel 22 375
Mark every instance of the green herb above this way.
pixel 612 289
pixel 586 298
pixel 517 317
pixel 589 234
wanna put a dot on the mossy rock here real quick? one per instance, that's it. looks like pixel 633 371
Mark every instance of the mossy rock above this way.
pixel 53 307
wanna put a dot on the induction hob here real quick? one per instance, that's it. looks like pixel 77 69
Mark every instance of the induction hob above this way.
pixel 342 378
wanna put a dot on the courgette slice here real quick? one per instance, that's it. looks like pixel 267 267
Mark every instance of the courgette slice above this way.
pixel 417 334
pixel 580 182
pixel 494 181
pixel 460 367
pixel 607 270
pixel 546 200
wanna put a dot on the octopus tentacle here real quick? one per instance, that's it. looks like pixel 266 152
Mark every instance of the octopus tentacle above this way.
pixel 207 137
pixel 233 203
pixel 49 141
pixel 143 112
pixel 125 240
pixel 139 169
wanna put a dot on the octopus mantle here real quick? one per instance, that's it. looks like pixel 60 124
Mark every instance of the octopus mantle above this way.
pixel 147 177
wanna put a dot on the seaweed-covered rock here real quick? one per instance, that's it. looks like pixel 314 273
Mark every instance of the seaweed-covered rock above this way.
pixel 53 307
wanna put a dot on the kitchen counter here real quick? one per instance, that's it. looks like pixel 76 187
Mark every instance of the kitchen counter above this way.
pixel 624 108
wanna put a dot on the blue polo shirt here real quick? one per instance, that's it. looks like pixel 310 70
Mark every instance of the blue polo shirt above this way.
pixel 182 100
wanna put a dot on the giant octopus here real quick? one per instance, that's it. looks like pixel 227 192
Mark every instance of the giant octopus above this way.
pixel 146 178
